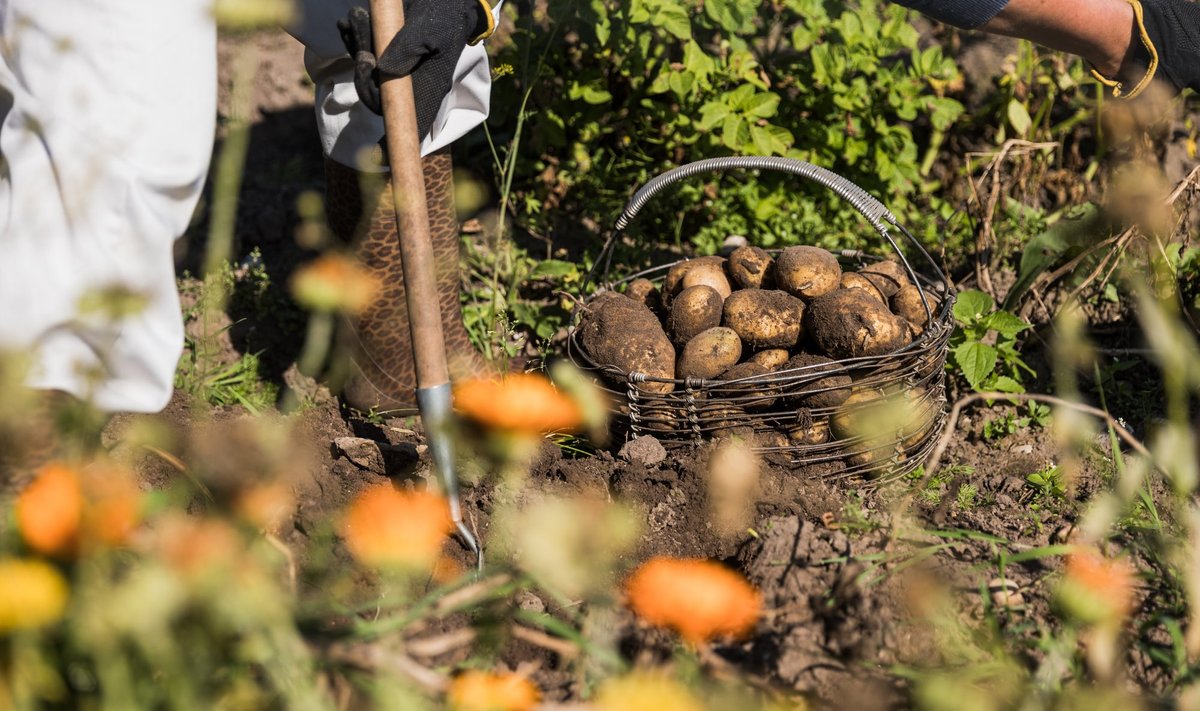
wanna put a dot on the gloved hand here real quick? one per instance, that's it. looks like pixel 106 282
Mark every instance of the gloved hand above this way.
pixel 427 47
pixel 1167 44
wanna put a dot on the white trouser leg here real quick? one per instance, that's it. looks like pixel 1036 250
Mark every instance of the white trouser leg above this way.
pixel 107 114
pixel 350 132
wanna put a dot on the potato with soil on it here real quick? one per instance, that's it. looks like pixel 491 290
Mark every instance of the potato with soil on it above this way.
pixel 720 420
pixel 816 432
pixel 645 293
pixel 750 267
pixel 617 331
pixel 856 417
pixel 772 359
pixel 753 395
pixel 695 309
pixel 807 272
pixel 828 391
pixel 849 323
pixel 888 277
pixel 711 273
pixel 765 318
pixel 907 304
pixel 854 280
pixel 710 353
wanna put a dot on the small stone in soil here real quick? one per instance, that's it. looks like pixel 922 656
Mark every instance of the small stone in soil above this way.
pixel 363 453
pixel 644 450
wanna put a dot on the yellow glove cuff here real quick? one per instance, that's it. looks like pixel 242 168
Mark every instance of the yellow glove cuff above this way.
pixel 491 24
pixel 1118 89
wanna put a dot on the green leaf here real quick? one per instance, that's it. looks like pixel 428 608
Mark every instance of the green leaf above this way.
pixel 976 361
pixel 770 140
pixel 761 105
pixel 674 19
pixel 972 306
pixel 554 268
pixel 1018 117
pixel 1054 246
pixel 1004 323
pixel 1005 384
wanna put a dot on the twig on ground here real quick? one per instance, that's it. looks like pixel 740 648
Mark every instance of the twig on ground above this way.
pixel 561 647
pixel 373 657
pixel 438 645
pixel 935 457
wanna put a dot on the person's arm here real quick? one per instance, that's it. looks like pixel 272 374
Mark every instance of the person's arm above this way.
pixel 1127 42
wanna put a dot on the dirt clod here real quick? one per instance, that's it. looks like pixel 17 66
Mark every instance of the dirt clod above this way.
pixel 644 450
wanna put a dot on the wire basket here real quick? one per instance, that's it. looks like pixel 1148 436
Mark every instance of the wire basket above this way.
pixel 782 413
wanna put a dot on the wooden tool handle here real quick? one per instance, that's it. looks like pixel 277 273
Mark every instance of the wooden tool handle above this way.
pixel 412 214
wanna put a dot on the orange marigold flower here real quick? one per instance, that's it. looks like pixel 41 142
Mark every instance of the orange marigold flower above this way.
pixel 50 509
pixel 1097 589
pixel 193 546
pixel 335 282
pixel 484 691
pixel 266 506
pixel 699 599
pixel 32 594
pixel 388 528
pixel 522 402
pixel 113 507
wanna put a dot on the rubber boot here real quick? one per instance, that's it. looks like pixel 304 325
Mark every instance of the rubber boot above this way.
pixel 360 209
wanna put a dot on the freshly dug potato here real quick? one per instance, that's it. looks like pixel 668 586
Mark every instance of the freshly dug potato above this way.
pixel 758 395
pixel 849 323
pixel 711 275
pixel 771 359
pixel 695 309
pixel 750 267
pixel 815 431
pixel 646 293
pixel 807 272
pixel 765 319
pixel 616 330
pixel 829 391
pixel 887 276
pixel 725 421
pixel 710 353
pixel 856 415
pixel 854 280
pixel 906 303
pixel 673 283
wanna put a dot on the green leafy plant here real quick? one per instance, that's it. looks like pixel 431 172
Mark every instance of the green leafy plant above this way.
pixel 1049 482
pixel 984 346
pixel 848 87
pixel 1037 415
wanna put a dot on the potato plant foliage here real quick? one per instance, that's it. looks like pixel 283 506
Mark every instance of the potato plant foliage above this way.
pixel 610 93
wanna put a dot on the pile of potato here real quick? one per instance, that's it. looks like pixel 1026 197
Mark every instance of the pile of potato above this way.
pixel 749 315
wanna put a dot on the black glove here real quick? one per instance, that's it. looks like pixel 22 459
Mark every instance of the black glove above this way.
pixel 428 47
pixel 1167 44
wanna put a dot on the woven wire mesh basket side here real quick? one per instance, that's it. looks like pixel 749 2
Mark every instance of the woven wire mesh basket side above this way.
pixel 800 416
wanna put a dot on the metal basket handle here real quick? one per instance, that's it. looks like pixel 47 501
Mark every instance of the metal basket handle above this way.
pixel 874 211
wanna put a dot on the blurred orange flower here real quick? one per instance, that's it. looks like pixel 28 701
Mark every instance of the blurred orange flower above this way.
pixel 522 402
pixel 1097 589
pixel 266 506
pixel 388 528
pixel 32 594
pixel 699 599
pixel 193 545
pixel 50 510
pixel 485 691
pixel 64 508
pixel 335 282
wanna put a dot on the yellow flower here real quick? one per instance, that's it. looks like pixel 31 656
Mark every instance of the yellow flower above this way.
pixel 388 528
pixel 646 691
pixel 32 594
pixel 335 282
pixel 699 599
pixel 485 691
pixel 523 402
